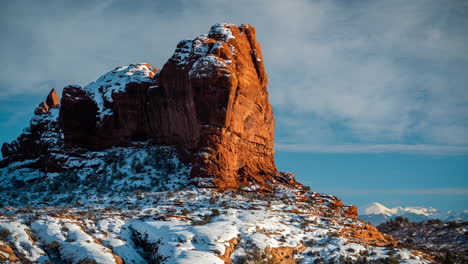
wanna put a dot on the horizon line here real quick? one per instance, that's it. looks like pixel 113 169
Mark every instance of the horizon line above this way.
pixel 422 149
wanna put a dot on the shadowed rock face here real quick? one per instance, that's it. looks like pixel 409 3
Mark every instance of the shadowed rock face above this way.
pixel 210 99
pixel 109 112
pixel 43 131
pixel 78 117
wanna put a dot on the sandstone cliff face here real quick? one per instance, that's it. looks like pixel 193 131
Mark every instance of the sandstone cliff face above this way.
pixel 78 116
pixel 210 99
pixel 213 90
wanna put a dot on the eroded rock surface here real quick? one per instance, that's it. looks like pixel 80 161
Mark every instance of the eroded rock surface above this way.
pixel 219 84
pixel 42 133
pixel 210 100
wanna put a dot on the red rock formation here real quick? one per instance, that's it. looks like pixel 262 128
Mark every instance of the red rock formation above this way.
pixel 7 254
pixel 52 101
pixel 78 117
pixel 351 212
pixel 42 133
pixel 41 109
pixel 210 99
pixel 109 112
pixel 367 234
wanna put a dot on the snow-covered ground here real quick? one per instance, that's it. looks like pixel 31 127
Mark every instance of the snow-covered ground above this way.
pixel 192 226
pixel 137 205
pixel 103 176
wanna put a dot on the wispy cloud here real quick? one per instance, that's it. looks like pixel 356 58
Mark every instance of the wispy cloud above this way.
pixel 381 148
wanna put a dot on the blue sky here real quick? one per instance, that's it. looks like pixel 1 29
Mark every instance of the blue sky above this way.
pixel 370 97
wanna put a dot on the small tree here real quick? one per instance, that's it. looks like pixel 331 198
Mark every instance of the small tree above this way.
pixel 4 233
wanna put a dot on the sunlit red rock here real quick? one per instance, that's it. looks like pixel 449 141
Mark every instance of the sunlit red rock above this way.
pixel 210 99
pixel 213 90
pixel 52 99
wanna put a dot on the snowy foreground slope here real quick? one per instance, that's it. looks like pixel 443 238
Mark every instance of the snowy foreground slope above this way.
pixel 122 220
pixel 188 227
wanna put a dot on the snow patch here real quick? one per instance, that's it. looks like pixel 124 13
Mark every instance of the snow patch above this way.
pixel 116 81
pixel 222 30
pixel 208 67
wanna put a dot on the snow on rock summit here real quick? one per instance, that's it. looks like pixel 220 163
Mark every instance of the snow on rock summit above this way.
pixel 172 166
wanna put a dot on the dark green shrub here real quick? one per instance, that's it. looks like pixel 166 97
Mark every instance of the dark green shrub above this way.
pixel 87 261
pixel 4 233
pixel 148 250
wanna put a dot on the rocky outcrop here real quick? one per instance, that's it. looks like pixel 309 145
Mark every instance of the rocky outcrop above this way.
pixel 210 100
pixel 109 112
pixel 230 247
pixel 42 133
pixel 52 101
pixel 367 234
pixel 351 212
pixel 7 253
pixel 213 91
pixel 78 116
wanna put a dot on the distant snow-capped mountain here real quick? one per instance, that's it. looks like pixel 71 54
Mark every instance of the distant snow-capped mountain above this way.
pixel 377 213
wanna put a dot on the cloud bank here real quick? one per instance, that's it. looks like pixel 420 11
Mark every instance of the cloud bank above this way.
pixel 377 148
pixel 385 75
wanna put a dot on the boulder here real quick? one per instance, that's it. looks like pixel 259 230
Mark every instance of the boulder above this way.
pixel 52 99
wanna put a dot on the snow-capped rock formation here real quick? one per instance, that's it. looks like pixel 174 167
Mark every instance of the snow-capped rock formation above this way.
pixel 210 100
pixel 219 84
pixel 108 112
pixel 377 213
